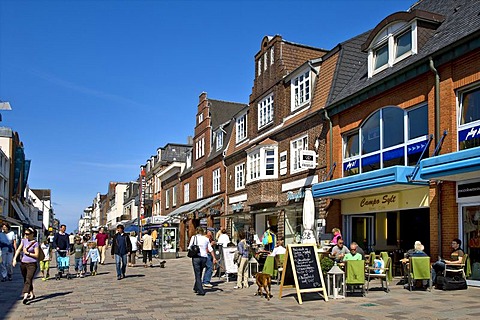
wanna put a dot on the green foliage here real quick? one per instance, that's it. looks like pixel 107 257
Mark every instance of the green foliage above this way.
pixel 326 264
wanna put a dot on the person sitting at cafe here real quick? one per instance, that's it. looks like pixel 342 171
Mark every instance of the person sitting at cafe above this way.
pixel 279 248
pixel 339 251
pixel 456 257
pixel 353 254
pixel 337 234
pixel 417 251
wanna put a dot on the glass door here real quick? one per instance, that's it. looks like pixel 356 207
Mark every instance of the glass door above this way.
pixel 471 239
pixel 360 229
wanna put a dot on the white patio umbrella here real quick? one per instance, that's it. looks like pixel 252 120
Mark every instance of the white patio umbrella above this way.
pixel 308 217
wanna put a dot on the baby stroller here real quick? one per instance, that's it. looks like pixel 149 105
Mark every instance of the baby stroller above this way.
pixel 63 263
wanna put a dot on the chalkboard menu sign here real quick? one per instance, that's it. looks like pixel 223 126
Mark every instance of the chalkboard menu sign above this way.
pixel 302 270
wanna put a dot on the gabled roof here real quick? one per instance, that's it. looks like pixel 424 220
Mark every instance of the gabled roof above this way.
pixel 461 24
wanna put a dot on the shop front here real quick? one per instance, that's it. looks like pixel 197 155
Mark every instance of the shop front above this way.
pixel 463 169
pixel 381 210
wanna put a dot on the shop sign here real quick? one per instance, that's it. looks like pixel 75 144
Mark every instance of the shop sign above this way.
pixel 468 134
pixel 308 159
pixel 385 201
pixel 296 196
pixel 469 190
pixel 237 206
pixel 158 219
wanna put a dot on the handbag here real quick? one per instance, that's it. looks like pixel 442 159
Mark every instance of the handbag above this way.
pixel 41 255
pixel 454 283
pixel 194 250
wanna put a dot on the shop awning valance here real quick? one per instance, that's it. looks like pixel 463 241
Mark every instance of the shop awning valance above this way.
pixel 22 215
pixel 387 180
pixel 455 166
pixel 197 205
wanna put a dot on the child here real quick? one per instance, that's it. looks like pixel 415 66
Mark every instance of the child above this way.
pixel 94 256
pixel 79 251
pixel 336 235
pixel 45 264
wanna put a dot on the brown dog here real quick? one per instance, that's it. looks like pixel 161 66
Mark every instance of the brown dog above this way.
pixel 264 280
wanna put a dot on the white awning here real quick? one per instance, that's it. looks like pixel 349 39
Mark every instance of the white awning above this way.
pixel 24 217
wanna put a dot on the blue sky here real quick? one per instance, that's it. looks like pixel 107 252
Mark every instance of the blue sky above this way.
pixel 97 86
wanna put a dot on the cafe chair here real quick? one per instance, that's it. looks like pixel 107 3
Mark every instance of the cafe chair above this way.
pixel 269 266
pixel 419 269
pixel 458 269
pixel 279 266
pixel 355 275
pixel 379 273
pixel 384 255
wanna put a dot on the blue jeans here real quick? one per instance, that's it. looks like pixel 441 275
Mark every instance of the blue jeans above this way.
pixel 198 266
pixel 121 262
pixel 437 267
pixel 208 270
pixel 78 264
pixel 6 268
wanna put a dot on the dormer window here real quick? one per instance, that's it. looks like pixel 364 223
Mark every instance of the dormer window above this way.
pixel 300 90
pixel 219 136
pixel 265 111
pixel 395 43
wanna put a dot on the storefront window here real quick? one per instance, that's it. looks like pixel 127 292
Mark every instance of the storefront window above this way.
pixel 391 136
pixel 469 122
pixel 471 236
pixel 293 225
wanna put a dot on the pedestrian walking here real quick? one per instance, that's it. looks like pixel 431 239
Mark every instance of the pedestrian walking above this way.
pixel 147 248
pixel 8 245
pixel 207 277
pixel 78 252
pixel 94 256
pixel 71 240
pixel 102 241
pixel 242 273
pixel 133 253
pixel 121 247
pixel 30 249
pixel 61 240
pixel 45 264
pixel 199 262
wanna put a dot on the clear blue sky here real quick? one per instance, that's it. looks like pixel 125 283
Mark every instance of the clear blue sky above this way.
pixel 97 86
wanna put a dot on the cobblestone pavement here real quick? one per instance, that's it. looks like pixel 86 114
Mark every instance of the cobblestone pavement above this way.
pixel 166 293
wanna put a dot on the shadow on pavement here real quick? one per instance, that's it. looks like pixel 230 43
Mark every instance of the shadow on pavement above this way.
pixel 134 276
pixel 49 296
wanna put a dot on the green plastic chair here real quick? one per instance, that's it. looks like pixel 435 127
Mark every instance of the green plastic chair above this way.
pixel 419 270
pixel 355 274
pixel 269 266
pixel 278 265
pixel 384 255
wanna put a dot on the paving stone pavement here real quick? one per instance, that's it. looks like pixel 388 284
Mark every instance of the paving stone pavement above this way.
pixel 166 293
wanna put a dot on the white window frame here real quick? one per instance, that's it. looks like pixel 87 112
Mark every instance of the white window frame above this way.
pixel 259 67
pixel 265 111
pixel 200 187
pixel 200 148
pixel 265 61
pixel 301 86
pixel 167 198
pixel 216 176
pixel 219 138
pixel 241 128
pixel 174 196
pixel 257 164
pixel 186 193
pixel 240 176
pixel 389 38
pixel 200 118
pixel 272 55
pixel 295 147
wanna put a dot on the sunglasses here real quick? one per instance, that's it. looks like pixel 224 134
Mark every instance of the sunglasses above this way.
pixel 27 233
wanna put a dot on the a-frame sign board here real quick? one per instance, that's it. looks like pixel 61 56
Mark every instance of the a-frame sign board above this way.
pixel 302 271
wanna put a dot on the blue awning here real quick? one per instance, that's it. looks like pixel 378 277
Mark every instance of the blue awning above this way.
pixel 197 205
pixel 455 166
pixel 384 180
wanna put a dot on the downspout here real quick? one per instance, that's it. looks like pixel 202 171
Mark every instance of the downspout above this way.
pixel 330 137
pixel 437 138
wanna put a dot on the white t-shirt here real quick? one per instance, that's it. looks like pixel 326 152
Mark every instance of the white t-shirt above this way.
pixel 11 236
pixel 46 251
pixel 278 250
pixel 133 240
pixel 224 239
pixel 204 244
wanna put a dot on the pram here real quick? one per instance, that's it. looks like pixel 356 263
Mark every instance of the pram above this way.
pixel 63 263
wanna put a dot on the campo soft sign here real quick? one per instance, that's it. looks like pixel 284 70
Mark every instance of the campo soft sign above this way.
pixel 380 202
